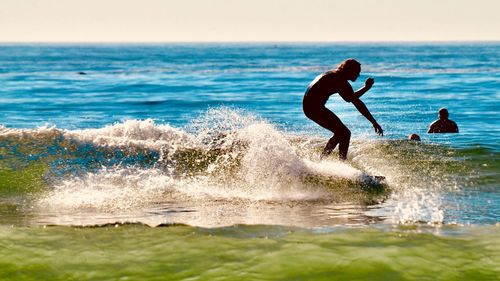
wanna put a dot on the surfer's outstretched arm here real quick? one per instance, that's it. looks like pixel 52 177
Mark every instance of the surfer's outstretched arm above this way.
pixel 361 107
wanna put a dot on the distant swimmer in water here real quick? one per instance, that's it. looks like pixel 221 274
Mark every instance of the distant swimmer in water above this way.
pixel 327 84
pixel 443 124
pixel 414 137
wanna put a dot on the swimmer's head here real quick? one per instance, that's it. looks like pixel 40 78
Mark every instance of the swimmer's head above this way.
pixel 350 69
pixel 443 113
pixel 414 137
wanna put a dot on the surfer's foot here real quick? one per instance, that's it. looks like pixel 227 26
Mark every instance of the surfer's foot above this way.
pixel 325 154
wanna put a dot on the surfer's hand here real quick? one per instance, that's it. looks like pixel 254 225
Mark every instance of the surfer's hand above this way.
pixel 369 83
pixel 378 129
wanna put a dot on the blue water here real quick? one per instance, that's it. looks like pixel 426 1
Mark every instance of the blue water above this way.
pixel 175 83
pixel 93 86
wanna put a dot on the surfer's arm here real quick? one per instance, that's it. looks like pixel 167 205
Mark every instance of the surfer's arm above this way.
pixel 347 93
pixel 361 107
pixel 368 85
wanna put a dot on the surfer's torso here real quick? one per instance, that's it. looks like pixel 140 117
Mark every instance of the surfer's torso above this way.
pixel 325 85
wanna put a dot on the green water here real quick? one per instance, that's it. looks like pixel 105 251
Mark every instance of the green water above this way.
pixel 45 181
pixel 136 252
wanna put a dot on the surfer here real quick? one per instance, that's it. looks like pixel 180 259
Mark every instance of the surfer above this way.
pixel 327 84
pixel 443 124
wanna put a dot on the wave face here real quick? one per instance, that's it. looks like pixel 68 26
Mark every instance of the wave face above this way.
pixel 225 167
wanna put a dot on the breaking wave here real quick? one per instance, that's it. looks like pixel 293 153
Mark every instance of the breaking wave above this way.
pixel 225 155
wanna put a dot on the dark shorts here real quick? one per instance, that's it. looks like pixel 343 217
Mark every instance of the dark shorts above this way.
pixel 323 117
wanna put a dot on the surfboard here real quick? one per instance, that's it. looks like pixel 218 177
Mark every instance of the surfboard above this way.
pixel 367 183
pixel 375 179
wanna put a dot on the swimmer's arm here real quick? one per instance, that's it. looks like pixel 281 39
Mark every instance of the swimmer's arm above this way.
pixel 433 128
pixel 361 107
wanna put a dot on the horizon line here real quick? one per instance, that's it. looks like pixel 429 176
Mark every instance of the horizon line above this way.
pixel 250 42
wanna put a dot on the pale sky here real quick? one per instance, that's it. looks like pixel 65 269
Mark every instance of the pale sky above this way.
pixel 248 20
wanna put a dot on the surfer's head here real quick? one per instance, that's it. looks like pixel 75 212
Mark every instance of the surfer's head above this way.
pixel 443 113
pixel 350 69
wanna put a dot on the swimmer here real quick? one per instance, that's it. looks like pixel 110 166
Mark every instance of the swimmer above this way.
pixel 443 124
pixel 414 137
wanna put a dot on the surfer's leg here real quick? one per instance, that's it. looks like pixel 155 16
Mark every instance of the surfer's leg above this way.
pixel 330 146
pixel 344 143
pixel 341 134
pixel 342 137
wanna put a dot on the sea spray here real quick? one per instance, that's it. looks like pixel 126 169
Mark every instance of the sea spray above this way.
pixel 109 189
pixel 420 174
pixel 132 133
pixel 229 158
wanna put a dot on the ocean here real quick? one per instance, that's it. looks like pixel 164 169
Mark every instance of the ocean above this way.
pixel 194 161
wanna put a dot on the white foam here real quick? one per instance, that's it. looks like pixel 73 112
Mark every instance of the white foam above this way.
pixel 108 190
pixel 142 133
pixel 271 167
pixel 40 132
pixel 417 206
pixel 417 185
pixel 333 168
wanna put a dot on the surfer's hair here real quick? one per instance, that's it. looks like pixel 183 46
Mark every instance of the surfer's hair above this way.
pixel 349 65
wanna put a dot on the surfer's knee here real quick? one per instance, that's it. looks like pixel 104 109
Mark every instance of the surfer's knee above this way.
pixel 345 133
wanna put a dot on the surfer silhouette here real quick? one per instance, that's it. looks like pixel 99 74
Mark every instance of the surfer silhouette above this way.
pixel 443 124
pixel 327 84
